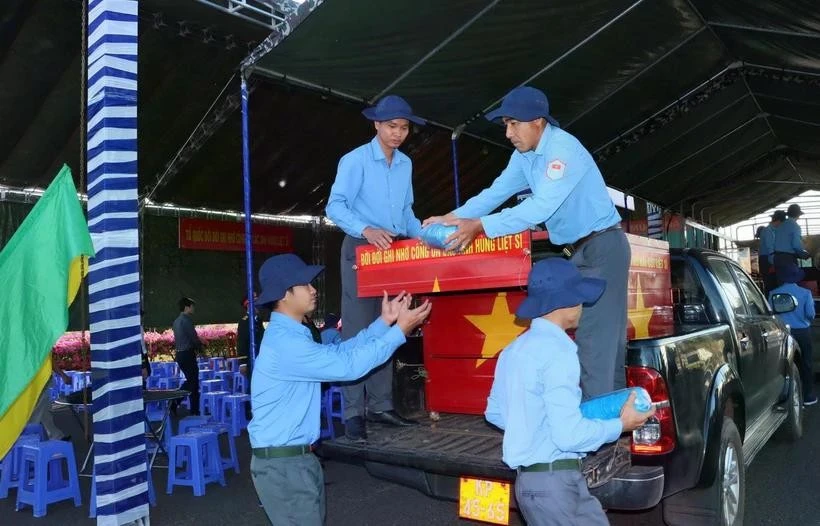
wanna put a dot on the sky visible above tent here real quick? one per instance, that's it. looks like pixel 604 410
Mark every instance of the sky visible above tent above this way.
pixel 690 104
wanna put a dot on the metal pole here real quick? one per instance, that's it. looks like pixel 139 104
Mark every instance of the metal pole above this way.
pixel 456 133
pixel 246 179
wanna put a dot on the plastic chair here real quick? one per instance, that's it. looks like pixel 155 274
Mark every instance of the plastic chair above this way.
pixel 232 460
pixel 233 412
pixel 202 462
pixel 208 386
pixel 211 404
pixel 41 475
pixel 217 363
pixel 240 383
pixel 35 429
pixel 10 464
pixel 329 410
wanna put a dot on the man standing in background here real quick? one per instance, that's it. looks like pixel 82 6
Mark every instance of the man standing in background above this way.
pixel 788 240
pixel 187 344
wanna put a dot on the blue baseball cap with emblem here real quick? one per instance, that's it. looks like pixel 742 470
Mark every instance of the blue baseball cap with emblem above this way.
pixel 524 104
pixel 392 107
pixel 555 283
pixel 279 273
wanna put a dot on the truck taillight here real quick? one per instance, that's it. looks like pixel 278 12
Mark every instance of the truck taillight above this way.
pixel 657 436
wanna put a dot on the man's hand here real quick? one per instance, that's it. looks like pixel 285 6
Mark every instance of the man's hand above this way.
pixel 378 237
pixel 438 219
pixel 409 318
pixel 391 308
pixel 467 231
pixel 632 419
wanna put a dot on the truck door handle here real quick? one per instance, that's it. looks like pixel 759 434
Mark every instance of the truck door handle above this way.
pixel 765 334
pixel 744 340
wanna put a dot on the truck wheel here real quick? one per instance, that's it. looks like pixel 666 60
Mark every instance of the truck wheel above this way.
pixel 792 428
pixel 723 502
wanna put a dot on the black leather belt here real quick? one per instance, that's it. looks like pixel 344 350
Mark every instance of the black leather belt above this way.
pixel 572 248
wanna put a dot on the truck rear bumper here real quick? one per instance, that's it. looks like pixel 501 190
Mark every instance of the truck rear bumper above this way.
pixel 641 487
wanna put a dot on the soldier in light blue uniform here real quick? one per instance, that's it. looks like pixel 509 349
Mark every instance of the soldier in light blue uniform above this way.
pixel 765 252
pixel 372 201
pixel 788 240
pixel 287 380
pixel 536 400
pixel 570 196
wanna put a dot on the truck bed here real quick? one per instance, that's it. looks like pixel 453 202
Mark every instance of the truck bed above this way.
pixel 458 445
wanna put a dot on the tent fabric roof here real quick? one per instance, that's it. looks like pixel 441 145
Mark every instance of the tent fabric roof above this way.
pixel 683 102
pixel 686 103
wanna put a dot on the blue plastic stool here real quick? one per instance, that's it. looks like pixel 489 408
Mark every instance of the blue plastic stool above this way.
pixel 205 374
pixel 211 404
pixel 187 424
pixel 217 363
pixel 208 386
pixel 240 383
pixel 232 460
pixel 202 462
pixel 92 511
pixel 329 410
pixel 233 412
pixel 41 475
pixel 10 465
pixel 226 376
pixel 152 382
pixel 35 429
pixel 169 382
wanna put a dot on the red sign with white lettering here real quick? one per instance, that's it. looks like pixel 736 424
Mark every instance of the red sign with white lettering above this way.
pixel 209 234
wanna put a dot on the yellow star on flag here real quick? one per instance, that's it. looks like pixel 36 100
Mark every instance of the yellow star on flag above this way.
pixel 640 315
pixel 499 328
pixel 436 287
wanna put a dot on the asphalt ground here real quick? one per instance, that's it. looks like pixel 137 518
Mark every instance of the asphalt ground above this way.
pixel 783 487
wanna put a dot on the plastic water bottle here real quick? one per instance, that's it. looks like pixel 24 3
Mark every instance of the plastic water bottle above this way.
pixel 608 406
pixel 435 234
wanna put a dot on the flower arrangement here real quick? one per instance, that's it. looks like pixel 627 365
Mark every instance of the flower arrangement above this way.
pixel 72 351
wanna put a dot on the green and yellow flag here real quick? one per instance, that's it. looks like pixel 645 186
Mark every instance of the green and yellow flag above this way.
pixel 41 268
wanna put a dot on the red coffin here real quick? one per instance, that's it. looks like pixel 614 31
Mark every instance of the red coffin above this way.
pixel 474 301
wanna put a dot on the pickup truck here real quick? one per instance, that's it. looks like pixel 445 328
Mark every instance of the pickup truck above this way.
pixel 725 378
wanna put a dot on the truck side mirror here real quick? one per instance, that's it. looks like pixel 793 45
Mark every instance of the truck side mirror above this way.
pixel 783 303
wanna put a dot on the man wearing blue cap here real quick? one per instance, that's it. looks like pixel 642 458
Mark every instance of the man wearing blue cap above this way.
pixel 788 240
pixel 569 195
pixel 372 201
pixel 799 321
pixel 765 251
pixel 286 386
pixel 536 400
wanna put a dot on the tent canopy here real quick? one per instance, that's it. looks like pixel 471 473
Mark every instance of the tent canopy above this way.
pixel 683 102
pixel 701 106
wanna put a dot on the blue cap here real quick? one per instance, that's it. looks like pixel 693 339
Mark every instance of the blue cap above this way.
pixel 523 104
pixel 391 107
pixel 789 274
pixel 555 283
pixel 282 272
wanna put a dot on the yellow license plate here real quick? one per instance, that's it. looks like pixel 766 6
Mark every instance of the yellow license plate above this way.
pixel 484 500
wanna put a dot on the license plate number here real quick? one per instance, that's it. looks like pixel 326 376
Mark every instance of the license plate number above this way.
pixel 484 500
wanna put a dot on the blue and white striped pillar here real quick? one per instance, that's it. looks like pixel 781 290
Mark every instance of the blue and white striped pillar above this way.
pixel 113 278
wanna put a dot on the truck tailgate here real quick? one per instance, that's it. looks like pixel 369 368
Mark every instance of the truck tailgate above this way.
pixel 455 445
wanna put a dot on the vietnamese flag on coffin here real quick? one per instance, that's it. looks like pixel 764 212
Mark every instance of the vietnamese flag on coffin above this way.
pixel 40 270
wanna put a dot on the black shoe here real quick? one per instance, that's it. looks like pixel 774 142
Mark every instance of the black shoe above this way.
pixel 66 438
pixel 355 430
pixel 390 418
